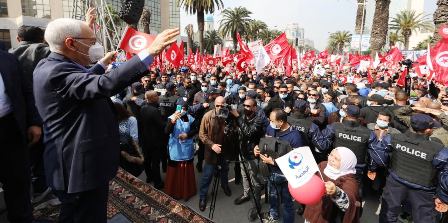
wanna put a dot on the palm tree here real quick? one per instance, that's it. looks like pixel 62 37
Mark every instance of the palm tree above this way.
pixel 440 17
pixel 394 38
pixel 360 21
pixel 339 39
pixel 234 21
pixel 255 27
pixel 211 39
pixel 423 45
pixel 380 27
pixel 145 19
pixel 190 34
pixel 407 22
pixel 200 7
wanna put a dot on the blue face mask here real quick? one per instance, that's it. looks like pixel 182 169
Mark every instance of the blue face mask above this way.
pixel 229 81
pixel 382 124
pixel 273 126
pixel 283 96
pixel 342 113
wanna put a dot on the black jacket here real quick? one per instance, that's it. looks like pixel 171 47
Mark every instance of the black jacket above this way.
pixel 251 130
pixel 152 127
pixel 19 89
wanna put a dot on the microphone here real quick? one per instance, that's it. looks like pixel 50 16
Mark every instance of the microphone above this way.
pixel 131 10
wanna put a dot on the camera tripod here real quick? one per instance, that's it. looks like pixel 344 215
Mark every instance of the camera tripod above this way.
pixel 251 188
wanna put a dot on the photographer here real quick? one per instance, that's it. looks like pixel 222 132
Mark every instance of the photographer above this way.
pixel 278 186
pixel 251 128
pixel 211 133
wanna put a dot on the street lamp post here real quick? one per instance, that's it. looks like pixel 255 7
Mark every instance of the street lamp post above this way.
pixel 362 25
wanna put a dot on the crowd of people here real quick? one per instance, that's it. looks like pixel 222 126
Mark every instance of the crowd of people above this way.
pixel 368 137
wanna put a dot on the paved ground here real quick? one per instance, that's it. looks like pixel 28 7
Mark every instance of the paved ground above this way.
pixel 227 212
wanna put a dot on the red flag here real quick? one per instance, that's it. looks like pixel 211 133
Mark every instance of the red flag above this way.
pixel 181 52
pixel 210 61
pixel 243 48
pixel 227 59
pixel 288 62
pixel 134 41
pixel 354 59
pixel 369 77
pixel 439 61
pixel 309 55
pixel 241 65
pixel 402 79
pixel 278 47
pixel 173 55
pixel 394 56
pixel 323 54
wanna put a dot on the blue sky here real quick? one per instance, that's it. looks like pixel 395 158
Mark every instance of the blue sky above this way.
pixel 318 17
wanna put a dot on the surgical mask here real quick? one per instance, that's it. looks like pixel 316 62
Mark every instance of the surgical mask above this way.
pixel 312 100
pixel 283 96
pixel 273 126
pixel 204 89
pixel 213 82
pixel 229 81
pixel 342 113
pixel 382 124
pixel 324 90
pixel 95 53
pixel 242 96
pixel 183 113
pixel 193 78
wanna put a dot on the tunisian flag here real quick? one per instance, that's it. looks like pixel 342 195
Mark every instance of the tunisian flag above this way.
pixel 438 58
pixel 394 56
pixel 134 41
pixel 243 48
pixel 173 55
pixel 278 47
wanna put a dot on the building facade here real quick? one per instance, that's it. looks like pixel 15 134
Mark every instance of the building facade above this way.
pixel 15 13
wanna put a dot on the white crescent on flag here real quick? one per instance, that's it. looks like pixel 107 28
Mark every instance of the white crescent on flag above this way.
pixel 137 42
pixel 276 49
pixel 173 55
pixel 442 59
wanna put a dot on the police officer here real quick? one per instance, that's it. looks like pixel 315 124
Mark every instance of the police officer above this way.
pixel 412 175
pixel 167 107
pixel 310 132
pixel 349 133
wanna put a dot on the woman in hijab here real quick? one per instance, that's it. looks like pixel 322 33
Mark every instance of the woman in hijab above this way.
pixel 341 201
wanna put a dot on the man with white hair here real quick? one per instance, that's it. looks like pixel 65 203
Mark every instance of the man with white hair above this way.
pixel 80 128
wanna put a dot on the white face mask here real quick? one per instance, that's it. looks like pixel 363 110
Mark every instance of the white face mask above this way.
pixel 193 78
pixel 342 113
pixel 96 52
pixel 312 100
pixel 213 82
pixel 283 96
pixel 204 89
pixel 324 90
pixel 242 96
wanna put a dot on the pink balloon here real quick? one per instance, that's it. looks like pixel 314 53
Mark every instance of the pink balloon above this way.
pixel 309 193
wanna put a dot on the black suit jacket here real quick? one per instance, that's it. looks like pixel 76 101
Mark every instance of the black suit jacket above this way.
pixel 20 92
pixel 80 127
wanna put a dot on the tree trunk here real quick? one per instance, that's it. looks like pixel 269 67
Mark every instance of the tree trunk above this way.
pixel 235 42
pixel 359 20
pixel 406 36
pixel 146 28
pixel 440 17
pixel 190 44
pixel 378 35
pixel 200 17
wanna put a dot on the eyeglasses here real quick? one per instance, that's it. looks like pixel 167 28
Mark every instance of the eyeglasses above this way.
pixel 219 106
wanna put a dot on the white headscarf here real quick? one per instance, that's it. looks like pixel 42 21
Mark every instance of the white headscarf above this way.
pixel 348 163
